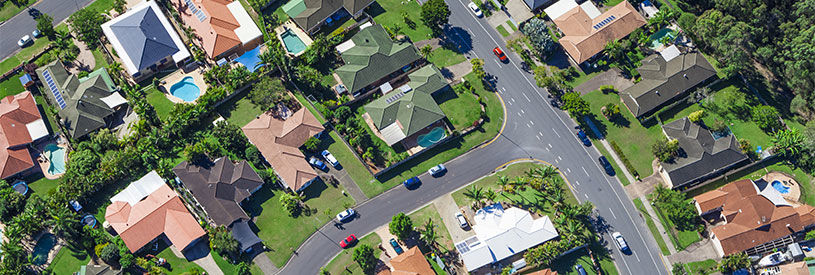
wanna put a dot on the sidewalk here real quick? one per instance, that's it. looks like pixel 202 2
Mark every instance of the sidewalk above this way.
pixel 618 161
pixel 265 264
pixel 662 233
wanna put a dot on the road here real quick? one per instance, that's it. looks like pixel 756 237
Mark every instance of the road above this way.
pixel 533 129
pixel 22 24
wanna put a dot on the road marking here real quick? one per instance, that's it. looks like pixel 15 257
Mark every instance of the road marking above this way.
pixel 503 89
pixel 558 157
pixel 556 161
pixel 539 138
pixel 527 98
pixel 533 123
pixel 527 125
pixel 519 113
pixel 584 170
pixel 510 103
pixel 635 255
pixel 612 213
pixel 556 133
pixel 547 149
pixel 568 170
pixel 587 196
pixel 499 64
pixel 522 111
pixel 550 145
pixel 513 99
pixel 539 133
pixel 577 182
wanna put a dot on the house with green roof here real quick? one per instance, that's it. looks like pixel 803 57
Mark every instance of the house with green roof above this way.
pixel 310 15
pixel 85 104
pixel 407 111
pixel 372 59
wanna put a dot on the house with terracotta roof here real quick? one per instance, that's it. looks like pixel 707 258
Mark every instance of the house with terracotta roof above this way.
pixel 20 124
pixel 222 27
pixel 310 15
pixel 278 135
pixel 586 30
pixel 410 262
pixel 751 217
pixel 148 209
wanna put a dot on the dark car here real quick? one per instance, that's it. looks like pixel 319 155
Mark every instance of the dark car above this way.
pixel 411 182
pixel 396 246
pixel 500 54
pixel 606 165
pixel 579 269
pixel 584 138
pixel 348 241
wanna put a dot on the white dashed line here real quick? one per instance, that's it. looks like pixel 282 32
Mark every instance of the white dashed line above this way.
pixel 510 103
pixel 584 170
pixel 577 182
pixel 527 125
pixel 539 138
pixel 568 170
pixel 550 145
pixel 522 111
pixel 533 123
pixel 556 133
pixel 587 196
pixel 519 113
pixel 527 98
pixel 559 158
pixel 513 99
pixel 612 213
pixel 503 89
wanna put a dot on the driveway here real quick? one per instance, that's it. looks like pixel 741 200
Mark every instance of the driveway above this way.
pixel 611 77
pixel 448 208
pixel 23 24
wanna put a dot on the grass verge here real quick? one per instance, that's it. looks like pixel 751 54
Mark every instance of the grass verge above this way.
pixel 343 264
pixel 443 57
pixel 160 103
pixel 430 212
pixel 502 30
pixel 652 227
pixel 681 239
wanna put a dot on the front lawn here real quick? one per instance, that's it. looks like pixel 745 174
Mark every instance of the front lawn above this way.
pixel 681 239
pixel 8 9
pixel 350 163
pixel 176 265
pixel 389 13
pixel 461 109
pixel 421 216
pixel 652 227
pixel 11 86
pixel 503 31
pixel 160 103
pixel 67 261
pixel 342 264
pixel 443 57
pixel 701 268
pixel 565 265
pixel 24 55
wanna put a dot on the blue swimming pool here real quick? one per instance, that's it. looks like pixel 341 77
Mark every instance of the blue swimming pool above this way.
pixel 778 185
pixel 656 38
pixel 250 59
pixel 432 137
pixel 56 158
pixel 293 43
pixel 186 89
pixel 44 245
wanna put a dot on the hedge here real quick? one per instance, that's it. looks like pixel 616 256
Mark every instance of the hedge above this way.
pixel 624 159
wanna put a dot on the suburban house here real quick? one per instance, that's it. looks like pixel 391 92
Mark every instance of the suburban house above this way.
pixel 410 262
pixel 402 113
pixel 586 31
pixel 148 209
pixel 543 272
pixel 278 135
pixel 533 5
pixel 701 155
pixel 310 15
pixel 752 217
pixel 20 125
pixel 85 104
pixel 92 269
pixel 665 77
pixel 220 188
pixel 145 40
pixel 501 233
pixel 222 27
pixel 372 59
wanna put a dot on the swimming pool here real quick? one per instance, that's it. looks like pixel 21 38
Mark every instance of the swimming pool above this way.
pixel 657 37
pixel 432 137
pixel 778 185
pixel 56 158
pixel 293 43
pixel 250 59
pixel 44 245
pixel 186 89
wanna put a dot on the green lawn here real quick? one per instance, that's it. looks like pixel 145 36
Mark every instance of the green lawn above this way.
pixel 435 266
pixel 101 5
pixel 512 26
pixel 8 9
pixel 430 212
pixel 99 59
pixel 565 265
pixel 388 13
pixel 23 55
pixel 67 261
pixel 461 109
pixel 239 110
pixel 443 57
pixel 349 162
pixel 337 28
pixel 342 263
pixel 11 86
pixel 681 239
pixel 308 106
pixel 160 103
pixel 583 77
pixel 611 3
pixel 652 227
pixel 40 185
pixel 701 268
pixel 175 264
pixel 229 268
pixel 503 31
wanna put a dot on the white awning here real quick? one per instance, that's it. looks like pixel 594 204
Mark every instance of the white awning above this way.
pixel 139 189
pixel 113 100
pixel 367 24
pixel 341 48
pixel 590 9
pixel 392 134
pixel 559 8
pixel 37 129
pixel 385 88
pixel 670 53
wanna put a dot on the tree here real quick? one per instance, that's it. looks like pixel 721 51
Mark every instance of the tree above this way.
pixel 221 241
pixel 428 234
pixel 538 34
pixel 308 75
pixel 254 156
pixel 87 24
pixel 401 226
pixel 364 256
pixel 766 118
pixel 291 203
pixel 665 150
pixel 343 113
pixel 12 202
pixel 718 126
pixel 734 262
pixel 614 49
pixel 110 253
pixel 788 143
pixel 243 269
pixel 231 138
pixel 120 6
pixel 267 92
pixel 476 194
pixel 45 23
pixel 435 14
pixel 426 51
pixel 679 269
pixel 478 68
pixel 700 94
pixel 311 144
pixel 610 110
pixel 575 105
pixel 64 221
pixel 696 116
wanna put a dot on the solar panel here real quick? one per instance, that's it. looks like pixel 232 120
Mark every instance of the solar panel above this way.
pixel 53 88
pixel 198 13
pixel 395 97
pixel 462 247
pixel 604 22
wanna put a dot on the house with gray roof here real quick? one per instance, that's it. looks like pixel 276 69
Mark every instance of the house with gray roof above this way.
pixel 84 104
pixel 145 40
pixel 310 15
pixel 665 78
pixel 702 155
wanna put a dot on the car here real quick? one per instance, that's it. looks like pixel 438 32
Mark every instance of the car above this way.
pixel 436 170
pixel 473 7
pixel 348 241
pixel 34 13
pixel 24 41
pixel 579 269
pixel 36 33
pixel 330 158
pixel 396 246
pixel 461 220
pixel 500 54
pixel 411 182
pixel 346 215
pixel 317 163
pixel 620 241
pixel 584 138
pixel 606 165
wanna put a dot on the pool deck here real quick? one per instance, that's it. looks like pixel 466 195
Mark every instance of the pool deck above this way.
pixel 411 143
pixel 289 25
pixel 45 163
pixel 175 77
pixel 661 46
pixel 795 190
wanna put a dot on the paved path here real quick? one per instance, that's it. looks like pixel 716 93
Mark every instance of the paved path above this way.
pixel 205 262
pixel 22 23
pixel 84 60
pixel 265 264
pixel 448 208
pixel 698 251
pixel 350 187
pixel 454 73
pixel 662 232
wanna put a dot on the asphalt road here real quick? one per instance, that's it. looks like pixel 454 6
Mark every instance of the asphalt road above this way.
pixel 22 24
pixel 533 130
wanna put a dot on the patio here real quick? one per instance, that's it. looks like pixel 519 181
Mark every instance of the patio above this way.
pixel 293 37
pixel 788 182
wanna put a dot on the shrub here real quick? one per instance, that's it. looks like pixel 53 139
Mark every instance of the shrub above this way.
pixel 364 256
pixel 110 253
pixel 697 116
pixel 253 156
pixel 610 110
pixel 766 118
pixel 538 34
pixel 719 126
pixel 665 150
pixel 575 105
pixel 311 144
pixel 221 240
pixel 401 226
pixel 625 160
pixel 291 203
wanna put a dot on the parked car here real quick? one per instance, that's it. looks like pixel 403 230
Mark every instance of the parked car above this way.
pixel 606 165
pixel 579 269
pixel 500 54
pixel 584 138
pixel 36 33
pixel 620 241
pixel 317 163
pixel 24 40
pixel 34 13
pixel 461 220
pixel 436 170
pixel 346 215
pixel 411 182
pixel 348 241
pixel 330 158
pixel 473 7
pixel 396 246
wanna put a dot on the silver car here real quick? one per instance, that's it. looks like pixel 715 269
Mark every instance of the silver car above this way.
pixel 461 220
pixel 345 215
pixel 620 241
pixel 435 170
pixel 24 40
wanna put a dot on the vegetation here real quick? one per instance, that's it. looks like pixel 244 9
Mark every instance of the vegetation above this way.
pixel 87 23
pixel 665 150
pixel 268 92
pixel 401 226
pixel 538 34
pixel 575 105
pixel 222 242
pixel 45 24
pixel 435 14
pixel 364 256
pixel 680 211
pixel 734 262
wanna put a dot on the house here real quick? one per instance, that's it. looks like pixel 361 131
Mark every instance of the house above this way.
pixel 753 214
pixel 222 27
pixel 372 59
pixel 543 272
pixel 533 5
pixel 586 31
pixel 92 269
pixel 405 111
pixel 20 124
pixel 84 104
pixel 500 234
pixel 665 77
pixel 148 209
pixel 701 155
pixel 410 262
pixel 310 15
pixel 220 188
pixel 278 136
pixel 145 41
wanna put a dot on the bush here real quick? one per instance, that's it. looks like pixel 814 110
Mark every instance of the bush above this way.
pixel 291 203
pixel 575 105
pixel 719 126
pixel 538 34
pixel 311 144
pixel 110 253
pixel 401 226
pixel 364 256
pixel 665 150
pixel 766 118
pixel 221 241
pixel 254 156
pixel 622 156
pixel 697 116
pixel 610 110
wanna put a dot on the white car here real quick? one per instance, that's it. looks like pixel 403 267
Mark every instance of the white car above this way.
pixel 461 220
pixel 345 215
pixel 24 41
pixel 475 9
pixel 435 170
pixel 330 158
pixel 620 241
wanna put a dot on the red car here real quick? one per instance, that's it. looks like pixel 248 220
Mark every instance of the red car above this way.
pixel 500 54
pixel 348 241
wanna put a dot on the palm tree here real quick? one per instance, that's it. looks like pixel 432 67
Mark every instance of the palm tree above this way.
pixel 476 194
pixel 428 234
pixel 503 181
pixel 519 181
pixel 490 195
pixel 614 49
pixel 64 221
pixel 115 69
pixel 556 198
pixel 426 51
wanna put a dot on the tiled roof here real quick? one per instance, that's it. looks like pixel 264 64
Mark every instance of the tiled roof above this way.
pixel 218 31
pixel 373 56
pixel 411 262
pixel 582 40
pixel 309 13
pixel 16 112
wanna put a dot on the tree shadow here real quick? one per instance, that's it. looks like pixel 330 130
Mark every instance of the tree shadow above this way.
pixel 315 189
pixel 459 37
pixel 254 206
pixel 446 73
pixel 374 9
pixel 444 96
pixel 455 142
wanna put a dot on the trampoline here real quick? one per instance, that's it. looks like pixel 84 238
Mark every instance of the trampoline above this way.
pixel 89 221
pixel 21 187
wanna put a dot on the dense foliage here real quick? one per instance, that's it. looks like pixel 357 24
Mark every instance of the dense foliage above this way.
pixel 679 210
pixel 45 24
pixel 435 14
pixel 575 105
pixel 87 23
pixel 734 262
pixel 364 256
pixel 401 226
pixel 538 34
pixel 665 150
pixel 221 241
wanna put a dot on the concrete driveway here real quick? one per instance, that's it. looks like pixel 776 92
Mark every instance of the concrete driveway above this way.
pixel 448 208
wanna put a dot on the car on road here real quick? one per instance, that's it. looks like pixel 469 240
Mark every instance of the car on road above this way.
pixel 24 40
pixel 396 246
pixel 34 13
pixel 330 158
pixel 437 170
pixel 346 215
pixel 461 220
pixel 348 241
pixel 584 138
pixel 36 33
pixel 606 165
pixel 500 54
pixel 317 163
pixel 579 269
pixel 620 241
pixel 411 182
pixel 473 7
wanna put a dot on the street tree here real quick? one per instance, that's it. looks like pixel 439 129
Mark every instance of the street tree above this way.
pixel 401 226
pixel 364 256
pixel 87 24
pixel 45 23
pixel 435 14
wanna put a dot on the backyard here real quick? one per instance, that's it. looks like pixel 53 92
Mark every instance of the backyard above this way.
pixel 389 13
pixel 68 260
pixel 160 103
pixel 343 264
pixel 239 110
pixel 420 217
pixel 461 109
